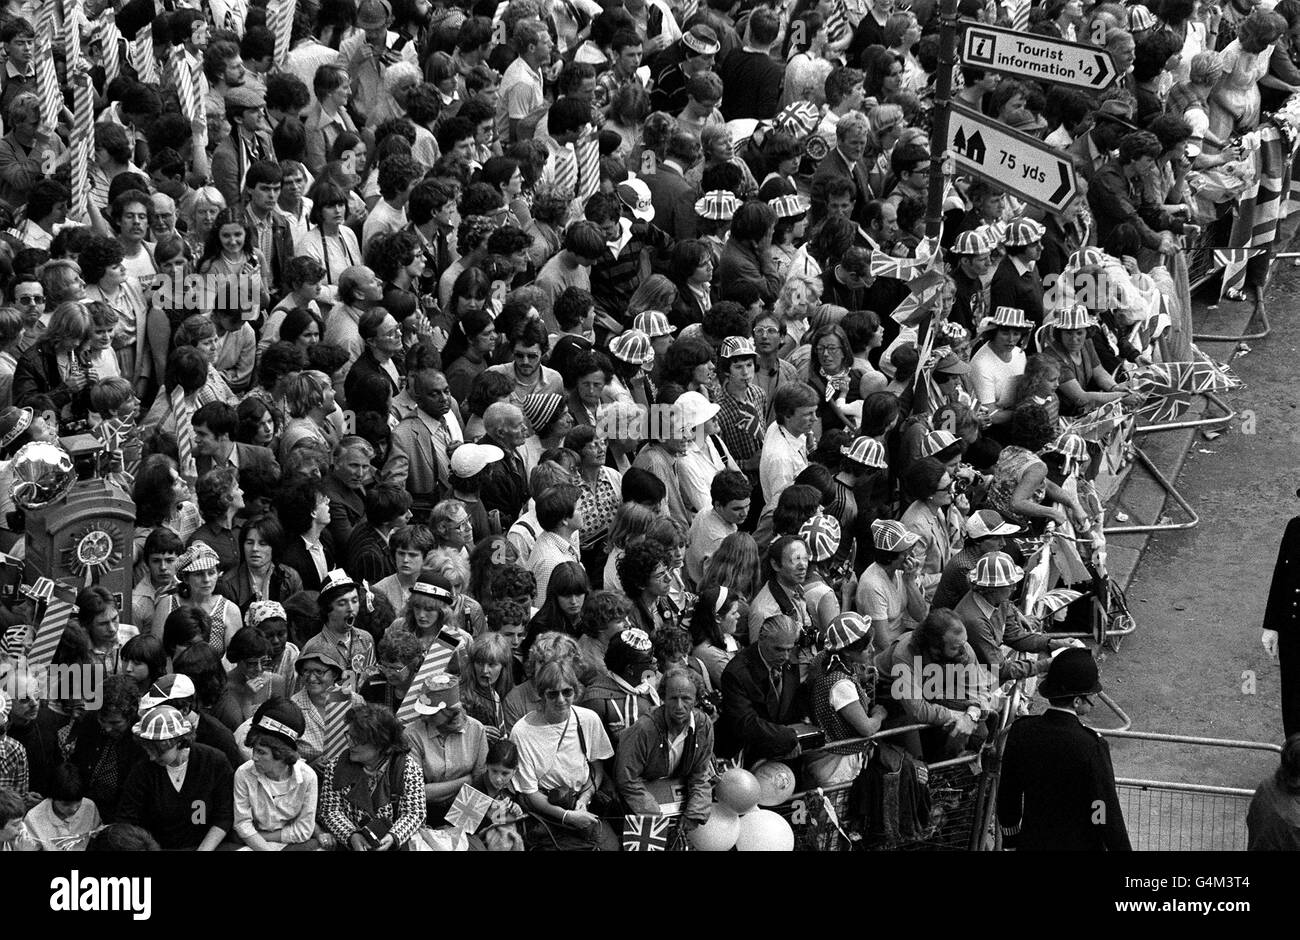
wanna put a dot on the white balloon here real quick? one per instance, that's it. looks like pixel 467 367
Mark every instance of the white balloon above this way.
pixel 762 830
pixel 719 833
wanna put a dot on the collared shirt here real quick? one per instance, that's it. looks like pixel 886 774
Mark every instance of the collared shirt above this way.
pixel 741 421
pixel 548 551
pixel 317 552
pixel 784 458
pixel 264 229
pixel 445 757
pixel 520 94
pixel 342 330
pixel 708 529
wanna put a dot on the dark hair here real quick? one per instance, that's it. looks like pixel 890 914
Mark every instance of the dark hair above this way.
pixel 557 504
pixel 378 726
pixel 66 783
pixel 796 505
pixel 154 491
pixel 123 837
pixel 642 486
pixel 146 649
pixel 638 564
pixel 296 503
pixel 683 358
pixel 704 622
pixel 386 502
pixel 247 643
pixel 203 665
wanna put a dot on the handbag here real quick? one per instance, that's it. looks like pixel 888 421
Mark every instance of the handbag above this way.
pixel 567 797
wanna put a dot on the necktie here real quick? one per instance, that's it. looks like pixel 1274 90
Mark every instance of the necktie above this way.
pixel 978 304
pixel 776 680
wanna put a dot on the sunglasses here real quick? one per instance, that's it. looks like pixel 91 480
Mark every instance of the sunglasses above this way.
pixel 31 301
pixel 554 695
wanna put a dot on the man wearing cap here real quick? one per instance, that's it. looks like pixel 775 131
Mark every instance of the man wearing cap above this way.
pixel 369 52
pixel 1057 792
pixel 1091 150
pixel 972 253
pixel 742 406
pixel 706 455
pixel 467 482
pixel 177 690
pixel 250 142
pixel 889 591
pixel 339 603
pixel 693 54
pixel 450 745
pixel 671 194
pixel 1016 283
pixel 986 532
pixel 992 620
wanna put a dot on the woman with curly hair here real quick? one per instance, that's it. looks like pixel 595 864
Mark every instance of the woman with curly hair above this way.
pixel 398 261
pixel 106 282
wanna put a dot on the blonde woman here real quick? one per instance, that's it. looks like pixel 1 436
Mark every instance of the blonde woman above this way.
pixel 207 205
pixel 465 613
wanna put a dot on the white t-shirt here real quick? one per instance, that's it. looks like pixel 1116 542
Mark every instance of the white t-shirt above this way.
pixel 550 755
pixel 994 381
pixel 843 694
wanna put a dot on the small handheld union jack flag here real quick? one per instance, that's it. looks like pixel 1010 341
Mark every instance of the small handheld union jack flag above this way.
pixel 645 833
pixel 469 808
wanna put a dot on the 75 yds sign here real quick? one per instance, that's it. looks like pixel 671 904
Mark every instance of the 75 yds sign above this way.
pixel 1022 165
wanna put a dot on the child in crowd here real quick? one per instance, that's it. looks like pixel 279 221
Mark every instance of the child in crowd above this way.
pixel 143 659
pixel 14 836
pixel 114 412
pixel 409 544
pixel 500 829
pixel 161 550
pixel 510 619
pixel 66 819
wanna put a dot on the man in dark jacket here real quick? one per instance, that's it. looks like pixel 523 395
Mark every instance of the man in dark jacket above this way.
pixel 673 746
pixel 760 698
pixel 1016 283
pixel 750 74
pixel 367 557
pixel 1281 634
pixel 1058 785
pixel 505 487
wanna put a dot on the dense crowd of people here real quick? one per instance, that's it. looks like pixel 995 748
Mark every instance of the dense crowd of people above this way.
pixel 560 398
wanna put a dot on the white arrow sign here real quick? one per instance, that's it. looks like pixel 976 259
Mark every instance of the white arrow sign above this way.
pixel 1041 58
pixel 1020 164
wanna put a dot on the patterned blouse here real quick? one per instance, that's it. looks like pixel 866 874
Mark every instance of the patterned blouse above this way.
pixel 598 504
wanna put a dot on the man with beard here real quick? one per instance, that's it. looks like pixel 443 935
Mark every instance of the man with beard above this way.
pixel 505 485
pixel 418 458
pixel 935 680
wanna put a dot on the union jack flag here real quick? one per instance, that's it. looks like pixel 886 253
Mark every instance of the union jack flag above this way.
pixel 469 808
pixel 1169 386
pixel 645 833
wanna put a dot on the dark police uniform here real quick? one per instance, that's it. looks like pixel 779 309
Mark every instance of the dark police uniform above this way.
pixel 1283 615
pixel 1057 791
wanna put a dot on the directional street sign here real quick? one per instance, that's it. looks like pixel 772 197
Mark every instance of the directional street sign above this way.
pixel 1022 165
pixel 1041 58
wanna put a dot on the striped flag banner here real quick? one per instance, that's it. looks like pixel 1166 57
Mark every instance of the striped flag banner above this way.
pixel 110 48
pixel 58 613
pixel 336 712
pixel 435 663
pixel 280 21
pixel 186 88
pixel 47 79
pixel 142 60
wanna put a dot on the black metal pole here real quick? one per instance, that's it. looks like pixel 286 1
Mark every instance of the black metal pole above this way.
pixel 939 126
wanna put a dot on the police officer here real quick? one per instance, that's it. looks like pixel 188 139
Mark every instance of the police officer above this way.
pixel 1281 633
pixel 1058 786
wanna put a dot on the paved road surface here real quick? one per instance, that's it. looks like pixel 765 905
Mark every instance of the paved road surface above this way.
pixel 1196 666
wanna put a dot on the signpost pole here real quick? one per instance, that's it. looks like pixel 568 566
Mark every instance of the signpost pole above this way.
pixel 939 128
